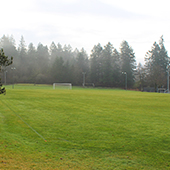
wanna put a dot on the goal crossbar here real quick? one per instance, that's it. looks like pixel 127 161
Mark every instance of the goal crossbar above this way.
pixel 62 85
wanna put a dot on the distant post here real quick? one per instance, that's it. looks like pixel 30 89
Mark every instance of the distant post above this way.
pixel 84 73
pixel 125 79
pixel 13 68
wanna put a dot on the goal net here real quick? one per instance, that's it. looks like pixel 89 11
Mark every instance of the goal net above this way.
pixel 62 86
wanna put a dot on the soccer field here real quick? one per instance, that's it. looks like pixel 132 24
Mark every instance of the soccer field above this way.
pixel 42 128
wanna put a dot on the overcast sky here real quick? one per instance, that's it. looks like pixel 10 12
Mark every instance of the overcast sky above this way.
pixel 85 23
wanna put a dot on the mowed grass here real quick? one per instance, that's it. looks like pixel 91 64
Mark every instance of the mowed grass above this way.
pixel 83 129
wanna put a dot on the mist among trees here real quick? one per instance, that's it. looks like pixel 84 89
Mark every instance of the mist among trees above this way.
pixel 104 66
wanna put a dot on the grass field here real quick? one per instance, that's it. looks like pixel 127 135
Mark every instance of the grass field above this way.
pixel 42 128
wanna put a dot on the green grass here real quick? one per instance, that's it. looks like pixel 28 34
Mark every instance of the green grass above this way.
pixel 84 129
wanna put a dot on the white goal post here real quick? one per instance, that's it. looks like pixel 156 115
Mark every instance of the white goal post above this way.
pixel 62 86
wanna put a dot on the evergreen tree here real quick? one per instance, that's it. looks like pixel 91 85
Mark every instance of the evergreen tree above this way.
pixel 43 57
pixel 22 65
pixel 58 70
pixel 4 62
pixel 31 51
pixel 107 67
pixel 95 64
pixel 67 54
pixel 42 63
pixel 32 62
pixel 53 52
pixel 7 43
pixel 116 68
pixel 156 62
pixel 128 63
pixel 59 48
pixel 81 66
pixel 22 48
pixel 140 77
pixel 67 49
pixel 164 59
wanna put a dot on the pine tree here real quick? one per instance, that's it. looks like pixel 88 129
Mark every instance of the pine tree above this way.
pixel 116 68
pixel 57 70
pixel 95 64
pixel 156 62
pixel 107 69
pixel 22 70
pixel 8 45
pixel 4 62
pixel 32 63
pixel 22 48
pixel 140 76
pixel 128 63
pixel 81 66
pixel 53 52
pixel 164 59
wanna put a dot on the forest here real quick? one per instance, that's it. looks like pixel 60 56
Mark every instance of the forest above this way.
pixel 104 67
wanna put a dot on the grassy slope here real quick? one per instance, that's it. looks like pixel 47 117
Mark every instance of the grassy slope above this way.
pixel 84 129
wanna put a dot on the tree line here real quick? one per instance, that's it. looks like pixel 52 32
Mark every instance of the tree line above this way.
pixel 105 67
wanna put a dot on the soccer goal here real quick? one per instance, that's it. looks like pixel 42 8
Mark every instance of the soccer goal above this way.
pixel 62 86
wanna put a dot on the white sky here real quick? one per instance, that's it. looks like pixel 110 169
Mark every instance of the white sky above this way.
pixel 85 23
